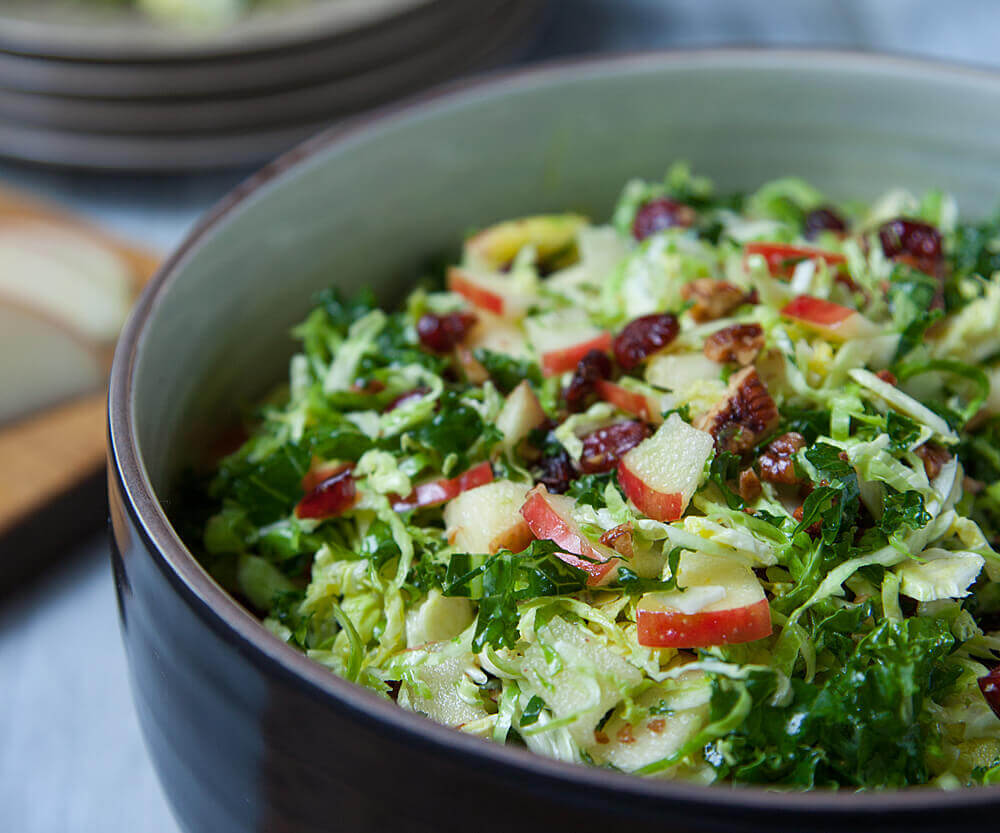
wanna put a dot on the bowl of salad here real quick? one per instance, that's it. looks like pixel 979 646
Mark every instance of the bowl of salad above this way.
pixel 614 442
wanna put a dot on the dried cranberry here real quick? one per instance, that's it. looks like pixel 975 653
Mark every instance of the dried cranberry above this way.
pixel 603 448
pixel 990 687
pixel 823 219
pixel 644 336
pixel 557 471
pixel 660 214
pixel 441 333
pixel 333 496
pixel 918 240
pixel 595 365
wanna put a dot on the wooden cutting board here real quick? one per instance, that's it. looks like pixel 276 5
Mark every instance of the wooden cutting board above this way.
pixel 52 463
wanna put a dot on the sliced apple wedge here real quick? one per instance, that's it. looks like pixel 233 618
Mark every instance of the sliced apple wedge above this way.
pixel 661 474
pixel 43 362
pixel 497 334
pixel 564 337
pixel 550 517
pixel 67 276
pixel 520 415
pixel 660 721
pixel 493 293
pixel 550 234
pixel 488 518
pixel 782 258
pixel 834 321
pixel 643 405
pixel 444 489
pixel 722 603
pixel 679 371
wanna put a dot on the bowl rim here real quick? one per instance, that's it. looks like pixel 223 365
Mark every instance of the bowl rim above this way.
pixel 236 625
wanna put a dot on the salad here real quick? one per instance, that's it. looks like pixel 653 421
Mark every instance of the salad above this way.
pixel 710 492
pixel 196 13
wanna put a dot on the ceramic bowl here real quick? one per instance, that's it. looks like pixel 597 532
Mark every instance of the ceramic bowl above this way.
pixel 248 734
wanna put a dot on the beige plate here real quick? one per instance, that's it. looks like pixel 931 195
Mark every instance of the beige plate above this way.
pixel 472 31
pixel 254 73
pixel 228 149
pixel 63 30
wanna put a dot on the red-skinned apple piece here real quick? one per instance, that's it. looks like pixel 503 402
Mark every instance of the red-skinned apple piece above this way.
pixel 834 321
pixel 782 258
pixel 444 489
pixel 492 293
pixel 549 234
pixel 488 518
pixel 550 517
pixel 722 603
pixel 520 415
pixel 661 474
pixel 990 687
pixel 563 337
pixel 645 407
pixel 565 359
pixel 329 493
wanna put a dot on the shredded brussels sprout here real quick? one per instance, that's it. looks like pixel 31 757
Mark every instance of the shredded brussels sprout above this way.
pixel 710 492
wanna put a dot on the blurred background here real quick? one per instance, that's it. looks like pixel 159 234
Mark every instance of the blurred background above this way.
pixel 121 122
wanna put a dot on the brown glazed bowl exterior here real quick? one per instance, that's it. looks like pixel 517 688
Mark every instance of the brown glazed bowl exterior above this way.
pixel 249 735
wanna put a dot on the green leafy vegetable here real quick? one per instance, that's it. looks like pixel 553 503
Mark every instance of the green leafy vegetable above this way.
pixel 506 579
pixel 867 724
pixel 507 372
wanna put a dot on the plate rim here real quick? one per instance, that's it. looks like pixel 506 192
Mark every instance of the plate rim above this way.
pixel 138 39
pixel 33 74
pixel 391 78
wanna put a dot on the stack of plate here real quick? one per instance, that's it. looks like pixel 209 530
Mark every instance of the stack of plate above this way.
pixel 115 92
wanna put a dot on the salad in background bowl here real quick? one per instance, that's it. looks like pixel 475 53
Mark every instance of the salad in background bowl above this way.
pixel 194 13
pixel 708 492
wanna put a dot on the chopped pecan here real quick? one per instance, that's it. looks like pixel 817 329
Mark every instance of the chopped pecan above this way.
pixel 744 416
pixel 739 343
pixel 619 539
pixel 712 299
pixel 777 463
pixel 625 735
pixel 657 725
pixel 749 487
pixel 474 370
pixel 934 457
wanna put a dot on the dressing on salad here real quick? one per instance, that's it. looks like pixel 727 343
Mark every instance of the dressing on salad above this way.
pixel 709 492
